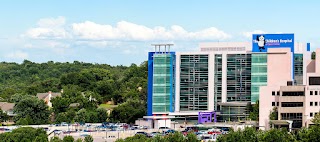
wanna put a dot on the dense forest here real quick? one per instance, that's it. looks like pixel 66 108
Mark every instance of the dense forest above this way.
pixel 122 85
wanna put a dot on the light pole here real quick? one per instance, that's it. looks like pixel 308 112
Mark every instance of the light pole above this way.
pixel 165 123
pixel 305 121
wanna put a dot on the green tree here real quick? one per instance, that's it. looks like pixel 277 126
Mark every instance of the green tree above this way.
pixel 68 139
pixel 88 139
pixel 313 133
pixel 313 55
pixel 303 135
pixel 316 119
pixel 254 114
pixel 22 121
pixel 129 111
pixel 135 138
pixel 81 115
pixel 62 117
pixel 60 104
pixel 3 116
pixel 102 115
pixel 175 137
pixel 103 82
pixel 24 134
pixel 250 134
pixel 231 137
pixel 277 135
pixel 274 114
pixel 55 139
pixel 192 137
pixel 34 108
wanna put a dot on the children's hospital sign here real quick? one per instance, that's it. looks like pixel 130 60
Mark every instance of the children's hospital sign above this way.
pixel 261 42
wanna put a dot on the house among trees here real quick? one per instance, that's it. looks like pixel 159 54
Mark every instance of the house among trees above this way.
pixel 8 109
pixel 46 97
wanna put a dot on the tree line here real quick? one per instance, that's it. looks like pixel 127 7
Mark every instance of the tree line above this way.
pixel 85 84
pixel 28 134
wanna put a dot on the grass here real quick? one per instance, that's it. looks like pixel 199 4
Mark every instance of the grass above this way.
pixel 107 106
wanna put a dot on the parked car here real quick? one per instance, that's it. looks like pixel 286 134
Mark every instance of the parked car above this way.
pixel 143 133
pixel 84 135
pixel 57 132
pixel 193 128
pixel 184 132
pixel 64 124
pixel 209 138
pixel 46 128
pixel 136 126
pixel 164 129
pixel 169 131
pixel 214 131
pixel 154 134
pixel 76 124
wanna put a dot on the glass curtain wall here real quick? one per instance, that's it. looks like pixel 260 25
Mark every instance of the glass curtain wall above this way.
pixel 217 79
pixel 258 74
pixel 162 82
pixel 194 82
pixel 298 68
pixel 238 77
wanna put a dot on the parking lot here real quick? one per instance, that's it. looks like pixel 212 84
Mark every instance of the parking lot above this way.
pixel 108 133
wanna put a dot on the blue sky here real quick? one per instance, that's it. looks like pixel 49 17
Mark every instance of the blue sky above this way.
pixel 120 32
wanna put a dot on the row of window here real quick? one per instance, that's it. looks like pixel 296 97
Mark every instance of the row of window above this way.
pixel 314 92
pixel 288 104
pixel 311 114
pixel 274 93
pixel 274 103
pixel 298 93
pixel 294 104
pixel 315 103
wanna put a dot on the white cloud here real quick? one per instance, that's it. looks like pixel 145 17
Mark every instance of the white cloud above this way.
pixel 18 55
pixel 56 44
pixel 49 28
pixel 249 34
pixel 55 33
pixel 130 31
pixel 98 44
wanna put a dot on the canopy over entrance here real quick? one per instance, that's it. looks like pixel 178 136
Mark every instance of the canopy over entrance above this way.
pixel 281 123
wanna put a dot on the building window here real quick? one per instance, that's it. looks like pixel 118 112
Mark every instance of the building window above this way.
pixel 291 104
pixel 273 93
pixel 299 93
pixel 311 103
pixel 315 103
pixel 278 93
pixel 273 103
pixel 311 92
pixel 315 92
pixel 314 80
pixel 277 103
pixel 311 114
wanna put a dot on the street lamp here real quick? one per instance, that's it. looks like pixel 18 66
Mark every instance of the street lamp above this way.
pixel 305 121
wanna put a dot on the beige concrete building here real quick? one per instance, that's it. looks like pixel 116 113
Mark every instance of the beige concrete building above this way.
pixel 296 105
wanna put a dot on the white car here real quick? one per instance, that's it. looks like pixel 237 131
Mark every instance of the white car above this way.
pixel 208 138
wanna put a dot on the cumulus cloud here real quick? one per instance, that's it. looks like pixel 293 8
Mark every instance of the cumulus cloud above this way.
pixel 49 28
pixel 18 55
pixel 98 44
pixel 129 31
pixel 249 34
pixel 88 33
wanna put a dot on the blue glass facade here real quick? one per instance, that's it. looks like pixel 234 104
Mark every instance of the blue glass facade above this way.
pixel 161 81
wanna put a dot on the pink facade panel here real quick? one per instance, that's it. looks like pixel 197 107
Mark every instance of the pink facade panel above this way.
pixel 279 66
